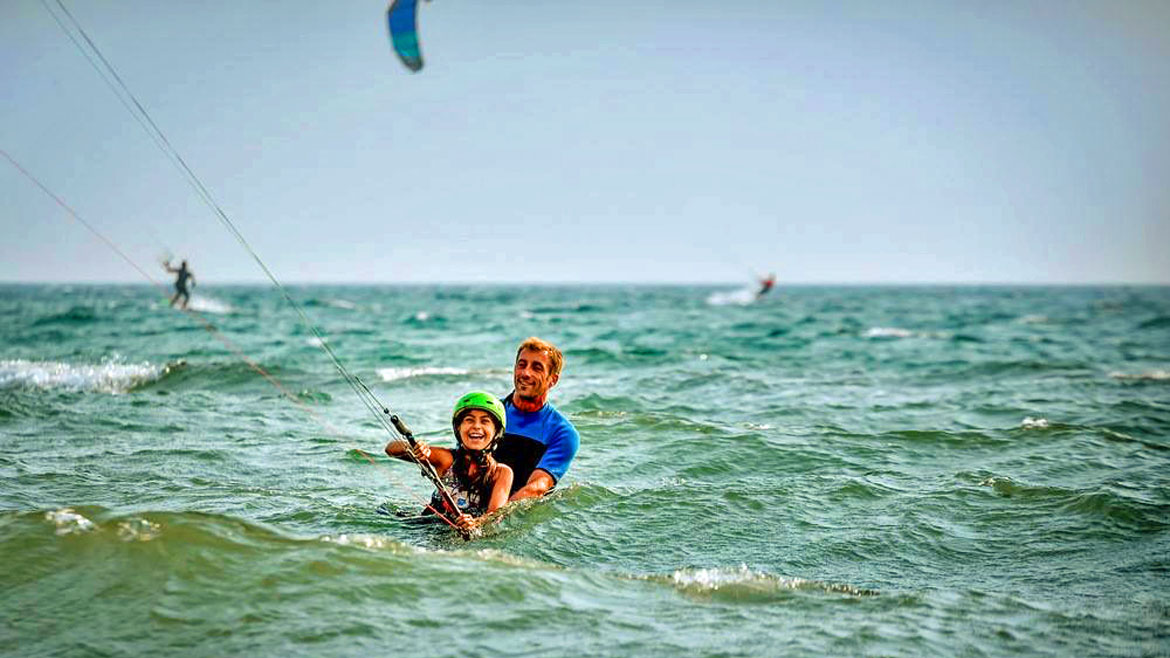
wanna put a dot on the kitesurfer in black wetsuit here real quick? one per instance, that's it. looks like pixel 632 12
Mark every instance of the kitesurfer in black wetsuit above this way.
pixel 182 275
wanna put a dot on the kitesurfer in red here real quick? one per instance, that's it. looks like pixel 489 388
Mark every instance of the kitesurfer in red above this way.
pixel 766 285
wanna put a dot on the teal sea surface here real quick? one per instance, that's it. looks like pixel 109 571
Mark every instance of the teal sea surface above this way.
pixel 873 471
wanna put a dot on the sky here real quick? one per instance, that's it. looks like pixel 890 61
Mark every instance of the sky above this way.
pixel 689 141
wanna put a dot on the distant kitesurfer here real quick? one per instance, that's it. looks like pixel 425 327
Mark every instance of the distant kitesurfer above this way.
pixel 477 482
pixel 539 443
pixel 766 285
pixel 182 275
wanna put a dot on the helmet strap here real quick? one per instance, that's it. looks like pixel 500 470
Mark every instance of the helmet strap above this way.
pixel 481 458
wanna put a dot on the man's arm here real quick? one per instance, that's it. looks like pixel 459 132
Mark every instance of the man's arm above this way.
pixel 561 450
pixel 538 484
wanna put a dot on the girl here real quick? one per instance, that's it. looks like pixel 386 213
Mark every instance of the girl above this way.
pixel 478 483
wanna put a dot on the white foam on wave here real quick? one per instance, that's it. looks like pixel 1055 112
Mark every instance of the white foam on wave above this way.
pixel 887 332
pixel 110 377
pixel 341 303
pixel 1035 319
pixel 362 541
pixel 69 522
pixel 393 374
pixel 209 305
pixel 714 578
pixel 317 342
pixel 747 581
pixel 1152 375
pixel 138 530
pixel 742 297
pixel 1030 423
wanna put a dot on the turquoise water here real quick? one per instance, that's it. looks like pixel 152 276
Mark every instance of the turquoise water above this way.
pixel 828 471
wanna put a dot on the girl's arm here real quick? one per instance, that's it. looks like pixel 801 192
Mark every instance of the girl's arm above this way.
pixel 440 458
pixel 500 488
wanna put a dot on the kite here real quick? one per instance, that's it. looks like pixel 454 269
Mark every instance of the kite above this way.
pixel 402 17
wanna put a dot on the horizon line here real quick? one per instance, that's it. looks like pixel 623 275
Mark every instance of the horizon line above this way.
pixel 779 284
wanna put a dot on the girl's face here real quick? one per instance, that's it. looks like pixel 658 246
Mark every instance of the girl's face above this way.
pixel 477 429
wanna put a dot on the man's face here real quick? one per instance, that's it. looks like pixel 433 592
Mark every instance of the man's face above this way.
pixel 532 376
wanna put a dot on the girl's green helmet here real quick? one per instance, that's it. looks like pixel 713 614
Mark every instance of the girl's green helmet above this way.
pixel 484 402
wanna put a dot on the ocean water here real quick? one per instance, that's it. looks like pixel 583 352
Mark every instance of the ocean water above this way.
pixel 909 471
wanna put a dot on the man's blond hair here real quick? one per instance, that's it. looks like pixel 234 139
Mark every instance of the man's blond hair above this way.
pixel 555 358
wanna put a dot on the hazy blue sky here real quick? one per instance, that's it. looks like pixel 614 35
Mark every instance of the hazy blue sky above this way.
pixel 902 141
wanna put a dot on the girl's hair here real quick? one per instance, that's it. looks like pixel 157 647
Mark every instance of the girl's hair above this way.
pixel 487 467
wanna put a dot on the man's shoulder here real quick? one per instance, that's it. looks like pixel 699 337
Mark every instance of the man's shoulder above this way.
pixel 549 417
pixel 561 421
pixel 557 413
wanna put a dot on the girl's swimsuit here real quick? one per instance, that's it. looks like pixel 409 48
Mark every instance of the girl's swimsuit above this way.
pixel 467 498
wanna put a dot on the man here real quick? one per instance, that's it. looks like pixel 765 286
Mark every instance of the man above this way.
pixel 539 443
pixel 182 274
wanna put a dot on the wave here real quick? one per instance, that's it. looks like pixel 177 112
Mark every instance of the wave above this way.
pixel 182 531
pixel 15 405
pixel 1121 437
pixel 185 534
pixel 592 355
pixel 887 332
pixel 1160 322
pixel 643 351
pixel 1107 503
pixel 75 315
pixel 582 307
pixel 109 377
pixel 424 318
pixel 68 522
pixel 395 374
pixel 958 338
pixel 1148 376
pixel 898 332
pixel 1030 423
pixel 221 374
pixel 598 403
pixel 205 304
pixel 743 584
pixel 1030 367
pixel 627 352
pixel 965 438
pixel 1035 319
pixel 330 302
pixel 741 297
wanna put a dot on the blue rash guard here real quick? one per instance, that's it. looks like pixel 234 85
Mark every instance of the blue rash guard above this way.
pixel 543 439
